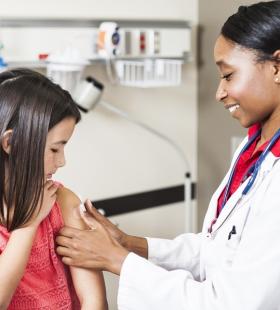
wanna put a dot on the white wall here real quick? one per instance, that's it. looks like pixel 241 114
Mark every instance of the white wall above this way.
pixel 108 156
pixel 112 157
pixel 121 9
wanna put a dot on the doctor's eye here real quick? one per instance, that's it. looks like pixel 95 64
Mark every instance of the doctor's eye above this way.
pixel 227 77
pixel 54 150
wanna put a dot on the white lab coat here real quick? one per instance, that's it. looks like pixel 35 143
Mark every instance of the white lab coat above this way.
pixel 198 272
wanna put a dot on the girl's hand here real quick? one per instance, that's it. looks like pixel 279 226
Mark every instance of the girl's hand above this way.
pixel 42 210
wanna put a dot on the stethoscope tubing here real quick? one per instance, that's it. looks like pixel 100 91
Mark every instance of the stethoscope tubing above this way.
pixel 256 167
pixel 254 170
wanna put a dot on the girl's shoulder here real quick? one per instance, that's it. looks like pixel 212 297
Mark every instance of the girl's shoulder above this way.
pixel 67 199
pixel 69 204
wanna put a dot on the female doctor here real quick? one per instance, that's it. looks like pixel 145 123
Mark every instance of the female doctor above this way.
pixel 234 263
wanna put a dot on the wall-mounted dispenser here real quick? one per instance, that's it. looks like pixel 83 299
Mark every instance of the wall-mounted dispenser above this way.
pixel 108 39
pixel 149 72
pixel 155 42
pixel 146 56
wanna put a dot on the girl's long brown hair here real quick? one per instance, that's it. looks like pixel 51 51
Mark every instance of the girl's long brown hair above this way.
pixel 30 105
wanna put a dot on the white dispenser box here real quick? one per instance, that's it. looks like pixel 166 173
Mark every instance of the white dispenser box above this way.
pixel 158 42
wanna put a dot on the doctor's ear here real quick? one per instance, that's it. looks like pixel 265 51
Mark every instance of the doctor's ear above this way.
pixel 276 66
pixel 5 142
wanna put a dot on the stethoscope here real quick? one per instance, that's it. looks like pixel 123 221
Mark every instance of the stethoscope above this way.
pixel 253 171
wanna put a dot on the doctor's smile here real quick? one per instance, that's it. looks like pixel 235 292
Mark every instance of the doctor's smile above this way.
pixel 232 107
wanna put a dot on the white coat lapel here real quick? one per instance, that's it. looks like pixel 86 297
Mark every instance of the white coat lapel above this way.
pixel 212 210
pixel 229 206
pixel 232 203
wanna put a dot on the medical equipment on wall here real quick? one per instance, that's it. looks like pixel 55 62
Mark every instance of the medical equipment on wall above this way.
pixel 108 47
pixel 88 94
pixel 137 53
pixel 65 67
pixel 149 73
pixel 143 66
pixel 108 39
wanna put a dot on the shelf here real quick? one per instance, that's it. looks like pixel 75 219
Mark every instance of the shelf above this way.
pixel 33 63
pixel 27 64
pixel 91 23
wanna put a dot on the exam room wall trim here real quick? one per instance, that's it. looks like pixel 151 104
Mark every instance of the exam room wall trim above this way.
pixel 143 200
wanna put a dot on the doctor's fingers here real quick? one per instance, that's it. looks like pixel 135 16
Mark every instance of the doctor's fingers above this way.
pixel 87 251
pixel 79 261
pixel 63 250
pixel 80 240
pixel 76 246
pixel 91 222
pixel 111 228
pixel 70 232
pixel 65 242
pixel 76 258
pixel 96 214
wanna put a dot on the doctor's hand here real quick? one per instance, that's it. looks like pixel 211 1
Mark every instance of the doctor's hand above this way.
pixel 134 244
pixel 113 230
pixel 93 248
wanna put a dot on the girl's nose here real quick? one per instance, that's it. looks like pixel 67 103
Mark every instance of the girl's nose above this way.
pixel 61 161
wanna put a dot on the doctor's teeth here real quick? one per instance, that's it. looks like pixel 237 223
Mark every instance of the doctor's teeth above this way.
pixel 233 108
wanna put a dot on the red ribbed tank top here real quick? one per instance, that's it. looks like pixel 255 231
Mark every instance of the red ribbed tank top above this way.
pixel 46 284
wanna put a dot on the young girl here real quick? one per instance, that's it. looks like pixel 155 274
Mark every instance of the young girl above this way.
pixel 37 118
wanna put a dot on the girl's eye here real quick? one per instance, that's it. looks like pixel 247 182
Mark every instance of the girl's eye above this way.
pixel 54 150
pixel 227 76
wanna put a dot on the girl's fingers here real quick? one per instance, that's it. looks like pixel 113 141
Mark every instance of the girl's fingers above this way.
pixel 52 188
pixel 49 184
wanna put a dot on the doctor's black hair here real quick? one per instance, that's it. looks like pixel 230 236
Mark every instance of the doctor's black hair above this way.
pixel 256 27
pixel 30 105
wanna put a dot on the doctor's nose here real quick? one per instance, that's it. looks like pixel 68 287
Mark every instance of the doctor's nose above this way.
pixel 221 93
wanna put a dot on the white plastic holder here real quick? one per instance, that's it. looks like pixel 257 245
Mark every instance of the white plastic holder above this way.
pixel 65 67
pixel 66 75
pixel 149 72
